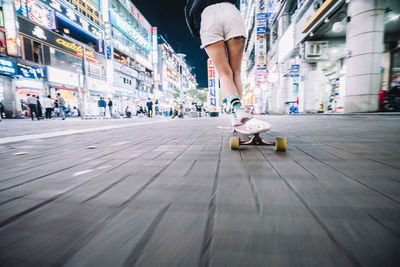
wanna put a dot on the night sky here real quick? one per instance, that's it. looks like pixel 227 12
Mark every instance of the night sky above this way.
pixel 169 17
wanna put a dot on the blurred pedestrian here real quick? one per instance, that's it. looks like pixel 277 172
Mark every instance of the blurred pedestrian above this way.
pixel 127 112
pixel 32 103
pixel 102 107
pixel 39 108
pixel 157 108
pixel 110 107
pixel 61 106
pixel 69 111
pixel 149 105
pixel 56 109
pixel 75 111
pixel 1 110
pixel 49 106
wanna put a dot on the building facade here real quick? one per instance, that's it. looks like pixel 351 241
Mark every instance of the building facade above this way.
pixel 332 56
pixel 176 76
pixel 84 50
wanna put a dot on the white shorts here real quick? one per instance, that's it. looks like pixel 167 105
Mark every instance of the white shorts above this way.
pixel 219 22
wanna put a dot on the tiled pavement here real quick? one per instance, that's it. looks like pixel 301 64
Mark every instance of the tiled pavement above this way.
pixel 174 194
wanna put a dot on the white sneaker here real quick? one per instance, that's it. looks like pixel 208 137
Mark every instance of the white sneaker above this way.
pixel 241 116
pixel 254 126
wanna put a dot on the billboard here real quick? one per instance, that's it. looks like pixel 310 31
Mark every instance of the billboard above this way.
pixel 213 87
pixel 129 30
pixel 11 31
pixel 261 42
pixel 37 12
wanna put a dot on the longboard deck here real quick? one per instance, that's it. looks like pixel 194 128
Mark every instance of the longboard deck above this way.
pixel 252 132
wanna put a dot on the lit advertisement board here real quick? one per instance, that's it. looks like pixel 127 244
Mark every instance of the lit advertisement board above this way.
pixel 155 53
pixel 131 32
pixel 28 28
pixel 213 92
pixel 66 13
pixel 7 67
pixel 31 72
pixel 1 17
pixel 11 31
pixel 261 43
pixel 37 12
pixel 20 7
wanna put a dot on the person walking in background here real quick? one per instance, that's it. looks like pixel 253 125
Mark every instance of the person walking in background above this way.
pixel 110 107
pixel 32 103
pixel 61 105
pixel 149 105
pixel 49 106
pixel 56 109
pixel 1 110
pixel 102 107
pixel 156 108
pixel 128 114
pixel 39 108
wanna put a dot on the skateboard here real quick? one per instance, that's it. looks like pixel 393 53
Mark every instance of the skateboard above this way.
pixel 255 139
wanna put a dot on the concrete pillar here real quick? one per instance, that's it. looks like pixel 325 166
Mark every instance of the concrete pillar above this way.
pixel 364 41
pixel 282 95
pixel 304 88
pixel 10 102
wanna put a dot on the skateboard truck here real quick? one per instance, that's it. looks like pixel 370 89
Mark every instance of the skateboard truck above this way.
pixel 280 142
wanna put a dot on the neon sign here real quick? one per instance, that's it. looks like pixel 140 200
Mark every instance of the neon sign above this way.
pixel 30 72
pixel 212 87
pixel 131 32
pixel 75 47
pixel 9 23
pixel 7 67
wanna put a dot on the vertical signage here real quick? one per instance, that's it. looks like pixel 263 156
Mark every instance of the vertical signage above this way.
pixel 261 43
pixel 155 53
pixel 213 93
pixel 1 17
pixel 9 25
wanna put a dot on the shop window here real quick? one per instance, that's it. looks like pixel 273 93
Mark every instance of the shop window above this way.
pixel 65 61
pixel 37 53
pixel 28 55
pixel 46 54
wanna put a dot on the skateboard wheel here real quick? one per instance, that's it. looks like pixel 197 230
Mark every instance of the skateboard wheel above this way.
pixel 280 143
pixel 233 129
pixel 235 143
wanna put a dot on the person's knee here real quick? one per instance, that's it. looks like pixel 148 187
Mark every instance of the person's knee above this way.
pixel 225 73
pixel 236 74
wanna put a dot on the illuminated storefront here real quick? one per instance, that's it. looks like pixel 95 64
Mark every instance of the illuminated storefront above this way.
pixel 29 79
pixel 132 53
pixel 7 69
pixel 64 58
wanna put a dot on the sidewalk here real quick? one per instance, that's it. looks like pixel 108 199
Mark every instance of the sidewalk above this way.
pixel 174 194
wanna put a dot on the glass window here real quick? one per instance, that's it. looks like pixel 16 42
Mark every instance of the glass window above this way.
pixel 46 54
pixel 28 55
pixel 37 53
pixel 65 61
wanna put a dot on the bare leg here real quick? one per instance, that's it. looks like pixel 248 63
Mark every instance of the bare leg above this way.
pixel 217 52
pixel 235 48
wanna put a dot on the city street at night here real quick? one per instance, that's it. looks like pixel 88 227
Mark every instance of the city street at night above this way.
pixel 164 192
pixel 200 133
